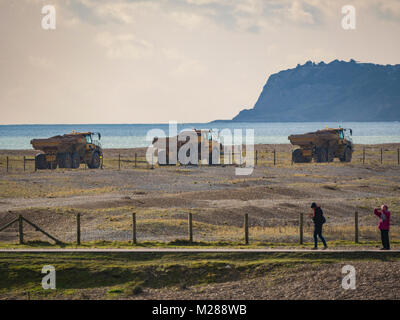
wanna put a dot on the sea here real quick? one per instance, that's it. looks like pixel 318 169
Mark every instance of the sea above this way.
pixel 16 137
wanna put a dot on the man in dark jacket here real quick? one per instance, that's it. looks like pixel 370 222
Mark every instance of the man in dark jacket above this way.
pixel 318 219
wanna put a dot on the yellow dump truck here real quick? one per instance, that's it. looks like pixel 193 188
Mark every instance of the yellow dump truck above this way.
pixel 206 144
pixel 69 151
pixel 323 145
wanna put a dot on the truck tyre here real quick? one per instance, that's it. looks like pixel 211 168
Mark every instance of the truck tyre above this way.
pixel 330 155
pixel 40 162
pixel 162 157
pixel 95 162
pixel 321 155
pixel 192 160
pixel 76 160
pixel 64 160
pixel 52 165
pixel 347 155
pixel 297 157
pixel 214 157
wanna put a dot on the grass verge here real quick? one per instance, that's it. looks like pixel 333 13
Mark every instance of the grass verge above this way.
pixel 122 275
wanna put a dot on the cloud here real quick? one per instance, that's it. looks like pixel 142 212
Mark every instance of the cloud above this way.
pixel 123 46
pixel 125 12
pixel 235 15
pixel 297 13
pixel 187 19
pixel 390 7
pixel 118 11
pixel 251 7
pixel 106 11
pixel 257 15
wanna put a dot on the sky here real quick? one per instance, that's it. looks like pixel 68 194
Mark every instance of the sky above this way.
pixel 152 61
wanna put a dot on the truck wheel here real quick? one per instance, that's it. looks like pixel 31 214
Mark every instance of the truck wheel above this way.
pixel 214 157
pixel 347 155
pixel 321 155
pixel 297 157
pixel 192 160
pixel 40 162
pixel 76 160
pixel 68 160
pixel 331 155
pixel 52 165
pixel 162 157
pixel 64 160
pixel 95 163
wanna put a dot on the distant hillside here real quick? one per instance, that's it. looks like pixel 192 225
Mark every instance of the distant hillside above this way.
pixel 338 91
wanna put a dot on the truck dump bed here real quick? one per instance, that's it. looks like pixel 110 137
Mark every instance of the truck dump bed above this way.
pixel 64 143
pixel 313 138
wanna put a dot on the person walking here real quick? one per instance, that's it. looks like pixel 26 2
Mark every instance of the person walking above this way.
pixel 384 225
pixel 318 219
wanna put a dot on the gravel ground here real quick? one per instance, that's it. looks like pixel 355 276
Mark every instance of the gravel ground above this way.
pixel 374 280
pixel 273 196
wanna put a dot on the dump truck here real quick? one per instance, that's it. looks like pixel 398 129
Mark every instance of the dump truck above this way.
pixel 69 151
pixel 206 143
pixel 323 145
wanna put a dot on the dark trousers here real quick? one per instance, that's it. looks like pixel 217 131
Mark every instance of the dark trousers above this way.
pixel 385 239
pixel 318 233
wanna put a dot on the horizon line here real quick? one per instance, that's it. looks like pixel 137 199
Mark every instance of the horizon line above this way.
pixel 166 123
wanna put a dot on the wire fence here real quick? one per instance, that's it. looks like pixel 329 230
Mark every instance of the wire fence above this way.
pixel 262 157
pixel 184 228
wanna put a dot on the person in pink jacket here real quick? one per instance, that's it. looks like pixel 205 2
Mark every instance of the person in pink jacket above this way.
pixel 384 225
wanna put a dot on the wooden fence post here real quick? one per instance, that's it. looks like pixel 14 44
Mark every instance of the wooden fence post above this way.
pixel 356 227
pixel 7 163
pixel 301 227
pixel 256 157
pixel 381 155
pixel 24 163
pixel 274 157
pixel 134 227
pixel 398 156
pixel 119 161
pixel 20 230
pixel 363 159
pixel 190 227
pixel 78 229
pixel 135 160
pixel 246 228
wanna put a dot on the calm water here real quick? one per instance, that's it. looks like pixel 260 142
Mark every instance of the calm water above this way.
pixel 134 135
